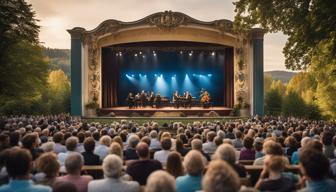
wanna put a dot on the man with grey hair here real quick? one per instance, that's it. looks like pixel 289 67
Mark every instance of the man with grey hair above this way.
pixel 73 165
pixel 112 167
pixel 295 155
pixel 155 143
pixel 130 153
pixel 71 146
pixel 160 181
pixel 196 144
pixel 194 163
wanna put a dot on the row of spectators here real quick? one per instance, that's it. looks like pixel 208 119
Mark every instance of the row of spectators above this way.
pixel 44 153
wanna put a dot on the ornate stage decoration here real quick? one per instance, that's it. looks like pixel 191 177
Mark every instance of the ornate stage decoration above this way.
pixel 166 21
pixel 241 73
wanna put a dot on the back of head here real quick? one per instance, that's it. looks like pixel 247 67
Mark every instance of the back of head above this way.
pixel 275 163
pixel 196 144
pixel 133 140
pixel 116 149
pixel 248 142
pixel 220 177
pixel 112 166
pixel 29 141
pixel 18 162
pixel 226 152
pixel 160 181
pixel 73 163
pixel 89 144
pixel 174 164
pixel 142 150
pixel 71 143
pixel 194 163
pixel 271 147
pixel 105 140
pixel 48 164
pixel 166 143
pixel 314 164
pixel 211 135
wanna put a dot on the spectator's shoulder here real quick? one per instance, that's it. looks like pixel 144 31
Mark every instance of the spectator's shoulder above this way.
pixel 41 188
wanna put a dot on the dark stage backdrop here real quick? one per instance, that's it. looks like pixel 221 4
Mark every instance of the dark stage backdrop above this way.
pixel 164 72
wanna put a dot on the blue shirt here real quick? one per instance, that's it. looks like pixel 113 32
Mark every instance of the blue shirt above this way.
pixel 295 158
pixel 325 185
pixel 23 186
pixel 188 183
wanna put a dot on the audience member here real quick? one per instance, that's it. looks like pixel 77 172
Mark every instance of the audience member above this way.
pixel 160 181
pixel 89 157
pixel 162 155
pixel 102 150
pixel 48 168
pixel 174 164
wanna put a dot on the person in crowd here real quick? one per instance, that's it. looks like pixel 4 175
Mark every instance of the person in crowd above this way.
pixel 112 168
pixel 328 147
pixel 130 152
pixel 48 146
pixel 247 152
pixel 271 178
pixel 89 157
pixel 81 138
pixel 258 147
pixel 194 166
pixel 115 148
pixel 314 167
pixel 71 146
pixel 162 155
pixel 174 164
pixel 48 168
pixel 30 142
pixel 4 142
pixel 18 166
pixel 210 147
pixel 180 147
pixel 295 155
pixel 58 138
pixel 220 177
pixel 155 143
pixel 62 186
pixel 229 134
pixel 291 145
pixel 160 181
pixel 139 170
pixel 270 147
pixel 102 150
pixel 196 144
pixel 238 141
pixel 227 152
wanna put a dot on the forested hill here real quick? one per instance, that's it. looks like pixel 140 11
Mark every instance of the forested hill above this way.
pixel 58 59
pixel 284 76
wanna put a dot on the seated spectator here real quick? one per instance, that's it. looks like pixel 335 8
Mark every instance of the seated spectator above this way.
pixel 247 152
pixel 194 166
pixel 18 165
pixel 295 155
pixel 271 178
pixel 328 147
pixel 81 138
pixel 71 146
pixel 115 148
pixel 30 142
pixel 270 147
pixel 220 177
pixel 218 141
pixel 196 144
pixel 162 155
pixel 139 170
pixel 258 147
pixel 58 138
pixel 62 186
pixel 227 153
pixel 155 143
pixel 73 165
pixel 229 134
pixel 180 147
pixel 210 147
pixel 4 142
pixel 48 168
pixel 238 141
pixel 130 152
pixel 314 167
pixel 291 145
pixel 174 164
pixel 48 146
pixel 112 168
pixel 102 150
pixel 160 181
pixel 89 157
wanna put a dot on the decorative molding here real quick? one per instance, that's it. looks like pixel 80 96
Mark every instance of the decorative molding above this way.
pixel 168 20
pixel 257 33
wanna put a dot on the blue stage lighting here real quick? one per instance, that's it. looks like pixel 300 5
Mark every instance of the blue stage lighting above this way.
pixel 209 75
pixel 133 75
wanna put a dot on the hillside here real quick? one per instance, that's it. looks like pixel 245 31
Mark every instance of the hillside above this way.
pixel 284 76
pixel 58 59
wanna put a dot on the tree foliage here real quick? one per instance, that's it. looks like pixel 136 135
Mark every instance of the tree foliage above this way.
pixel 273 102
pixel 305 22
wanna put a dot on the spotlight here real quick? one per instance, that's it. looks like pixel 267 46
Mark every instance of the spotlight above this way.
pixel 194 74
pixel 135 55
pixel 161 76
pixel 120 53
pixel 143 56
pixel 145 76
pixel 117 54
pixel 209 75
pixel 190 54
pixel 140 75
pixel 213 53
pixel 140 53
pixel 181 52
pixel 133 75
pixel 154 54
pixel 155 75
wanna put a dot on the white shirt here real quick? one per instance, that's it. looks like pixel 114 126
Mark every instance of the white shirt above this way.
pixel 162 156
pixel 154 144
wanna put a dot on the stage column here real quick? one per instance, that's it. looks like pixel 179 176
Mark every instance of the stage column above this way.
pixel 76 71
pixel 258 71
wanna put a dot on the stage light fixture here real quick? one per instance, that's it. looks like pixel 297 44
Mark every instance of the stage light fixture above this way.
pixel 117 54
pixel 143 56
pixel 133 75
pixel 181 52
pixel 213 53
pixel 135 55
pixel 140 53
pixel 190 54
pixel 120 53
pixel 209 75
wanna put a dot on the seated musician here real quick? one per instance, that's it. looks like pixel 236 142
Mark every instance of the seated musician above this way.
pixel 176 99
pixel 137 100
pixel 142 98
pixel 205 99
pixel 130 100
pixel 151 99
pixel 188 99
pixel 158 100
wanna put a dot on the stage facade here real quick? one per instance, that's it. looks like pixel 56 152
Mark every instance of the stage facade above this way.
pixel 163 53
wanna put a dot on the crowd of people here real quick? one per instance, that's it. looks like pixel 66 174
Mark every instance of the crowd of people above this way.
pixel 48 153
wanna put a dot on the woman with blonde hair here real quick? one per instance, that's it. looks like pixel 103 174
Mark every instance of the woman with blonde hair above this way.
pixel 116 149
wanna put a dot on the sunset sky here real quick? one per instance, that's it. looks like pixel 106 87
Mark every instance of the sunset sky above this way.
pixel 58 15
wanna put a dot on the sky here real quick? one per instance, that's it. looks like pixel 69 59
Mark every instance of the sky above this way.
pixel 56 16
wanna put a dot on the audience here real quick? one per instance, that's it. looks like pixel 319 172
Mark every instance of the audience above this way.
pixel 48 168
pixel 160 181
pixel 89 157
pixel 102 150
pixel 174 164
pixel 210 147
pixel 112 167
pixel 62 186
pixel 162 155
pixel 130 152
pixel 71 146
pixel 247 152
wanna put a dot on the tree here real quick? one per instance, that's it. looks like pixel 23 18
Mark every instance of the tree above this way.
pixel 279 86
pixel 267 83
pixel 305 22
pixel 293 105
pixel 273 102
pixel 304 84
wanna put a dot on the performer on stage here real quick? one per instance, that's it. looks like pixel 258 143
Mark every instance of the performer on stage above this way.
pixel 188 99
pixel 151 99
pixel 176 99
pixel 158 100
pixel 130 100
pixel 142 99
pixel 205 99
pixel 137 100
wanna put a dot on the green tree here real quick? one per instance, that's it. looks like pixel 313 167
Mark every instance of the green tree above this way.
pixel 267 82
pixel 273 102
pixel 293 105
pixel 279 86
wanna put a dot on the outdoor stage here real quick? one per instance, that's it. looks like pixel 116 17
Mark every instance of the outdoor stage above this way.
pixel 149 111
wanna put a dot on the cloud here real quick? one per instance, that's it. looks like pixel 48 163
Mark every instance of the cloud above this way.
pixel 58 15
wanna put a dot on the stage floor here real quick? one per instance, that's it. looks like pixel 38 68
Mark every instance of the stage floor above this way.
pixel 148 111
